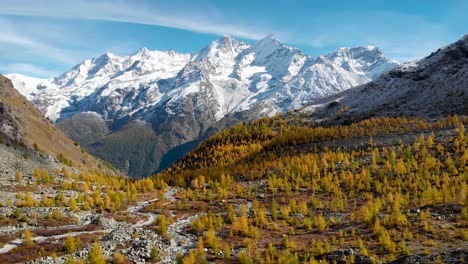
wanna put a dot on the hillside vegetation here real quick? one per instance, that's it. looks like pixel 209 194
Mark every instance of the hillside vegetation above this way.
pixel 279 190
pixel 24 127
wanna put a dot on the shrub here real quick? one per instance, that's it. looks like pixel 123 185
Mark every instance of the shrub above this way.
pixel 118 258
pixel 155 256
pixel 212 240
pixel 161 225
pixel 27 236
pixel 18 176
pixel 55 215
pixel 71 243
pixel 244 258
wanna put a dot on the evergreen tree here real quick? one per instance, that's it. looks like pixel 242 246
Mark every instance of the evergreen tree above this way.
pixel 95 255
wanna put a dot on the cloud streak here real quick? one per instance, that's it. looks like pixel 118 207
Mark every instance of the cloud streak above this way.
pixel 19 36
pixel 323 29
pixel 28 69
pixel 401 36
pixel 55 44
pixel 202 21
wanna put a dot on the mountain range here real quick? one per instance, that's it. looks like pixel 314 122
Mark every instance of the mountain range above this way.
pixel 144 111
pixel 387 159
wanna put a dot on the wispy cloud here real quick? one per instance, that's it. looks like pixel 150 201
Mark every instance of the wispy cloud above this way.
pixel 26 38
pixel 401 36
pixel 208 20
pixel 28 69
pixel 23 36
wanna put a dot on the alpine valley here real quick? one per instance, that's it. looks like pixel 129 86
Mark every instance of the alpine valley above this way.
pixel 144 111
pixel 272 156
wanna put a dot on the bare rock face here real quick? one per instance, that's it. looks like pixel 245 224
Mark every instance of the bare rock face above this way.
pixel 7 124
pixel 9 116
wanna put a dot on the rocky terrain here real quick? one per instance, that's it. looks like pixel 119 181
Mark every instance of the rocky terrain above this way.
pixel 28 140
pixel 130 231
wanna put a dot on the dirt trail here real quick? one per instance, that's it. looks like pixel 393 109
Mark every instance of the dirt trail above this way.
pixel 180 242
pixel 132 209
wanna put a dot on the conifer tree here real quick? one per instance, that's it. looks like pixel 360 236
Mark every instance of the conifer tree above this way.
pixel 18 176
pixel 27 236
pixel 70 245
pixel 95 255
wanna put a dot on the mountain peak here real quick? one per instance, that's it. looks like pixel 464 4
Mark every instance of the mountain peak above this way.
pixel 268 45
pixel 226 37
pixel 270 36
pixel 224 46
pixel 269 39
pixel 109 54
pixel 171 52
pixel 369 60
pixel 225 41
pixel 143 53
pixel 352 51
pixel 143 50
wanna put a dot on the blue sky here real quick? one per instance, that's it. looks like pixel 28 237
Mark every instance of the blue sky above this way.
pixel 45 38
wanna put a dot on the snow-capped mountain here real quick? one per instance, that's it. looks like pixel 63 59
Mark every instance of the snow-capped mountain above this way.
pixel 434 86
pixel 107 78
pixel 241 76
pixel 180 96
pixel 366 61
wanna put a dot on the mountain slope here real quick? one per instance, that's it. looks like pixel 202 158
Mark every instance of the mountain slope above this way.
pixel 434 86
pixel 182 98
pixel 341 181
pixel 29 140
pixel 285 190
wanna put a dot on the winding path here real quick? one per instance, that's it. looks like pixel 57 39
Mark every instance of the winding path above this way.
pixel 17 242
pixel 180 243
pixel 133 209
